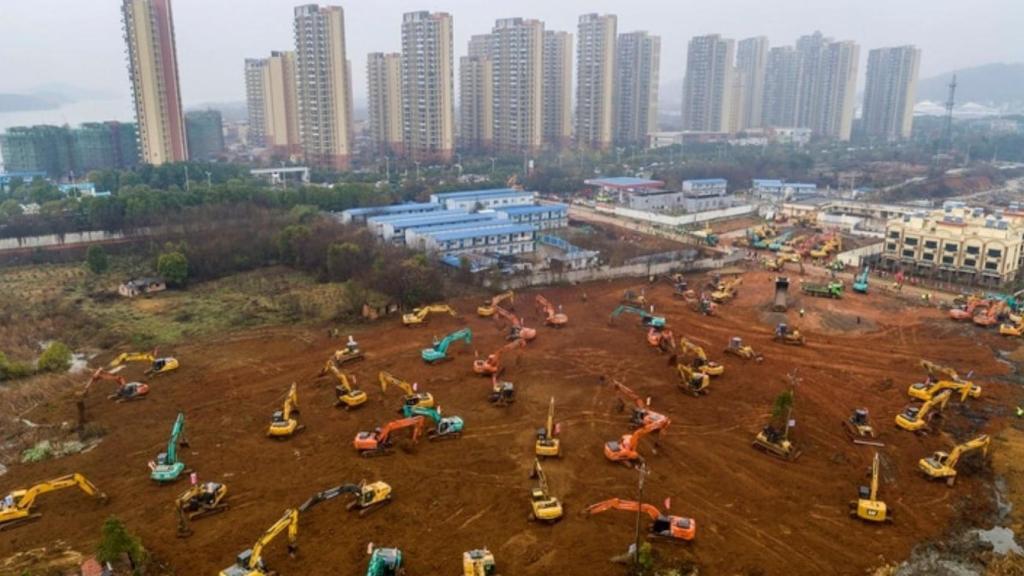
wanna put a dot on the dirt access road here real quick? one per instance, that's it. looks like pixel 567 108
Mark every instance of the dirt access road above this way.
pixel 755 514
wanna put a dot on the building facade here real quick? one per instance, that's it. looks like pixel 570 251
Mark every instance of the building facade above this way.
pixel 890 92
pixel 153 70
pixel 709 84
pixel 63 152
pixel 781 88
pixel 595 80
pixel 557 88
pixel 751 68
pixel 323 86
pixel 384 100
pixel 428 86
pixel 255 103
pixel 205 131
pixel 637 67
pixel 517 52
pixel 705 194
pixel 281 105
pixel 476 101
pixel 826 85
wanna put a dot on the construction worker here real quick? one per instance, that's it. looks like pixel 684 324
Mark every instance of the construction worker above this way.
pixel 801 312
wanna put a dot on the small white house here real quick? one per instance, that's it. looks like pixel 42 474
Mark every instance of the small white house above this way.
pixel 139 286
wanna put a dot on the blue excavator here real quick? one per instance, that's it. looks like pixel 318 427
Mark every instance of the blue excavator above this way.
pixel 860 283
pixel 445 427
pixel 385 562
pixel 648 320
pixel 439 351
pixel 167 467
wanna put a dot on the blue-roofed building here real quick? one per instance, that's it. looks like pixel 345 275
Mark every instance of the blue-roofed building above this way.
pixel 543 216
pixel 416 237
pixel 359 215
pixel 777 189
pixel 392 228
pixel 483 199
pixel 508 240
pixel 7 177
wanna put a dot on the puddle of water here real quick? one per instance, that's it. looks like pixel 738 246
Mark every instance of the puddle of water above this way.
pixel 1001 539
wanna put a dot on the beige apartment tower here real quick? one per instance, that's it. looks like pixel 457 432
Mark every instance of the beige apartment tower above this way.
pixel 595 81
pixel 384 86
pixel 281 107
pixel 557 89
pixel 517 52
pixel 428 86
pixel 890 92
pixel 709 85
pixel 751 67
pixel 153 67
pixel 476 98
pixel 636 87
pixel 323 85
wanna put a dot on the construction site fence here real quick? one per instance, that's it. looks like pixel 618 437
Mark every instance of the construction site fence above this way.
pixel 634 270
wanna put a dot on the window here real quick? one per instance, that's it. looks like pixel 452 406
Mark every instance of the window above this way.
pixel 910 241
pixel 890 247
pixel 928 256
pixel 994 253
pixel 950 247
pixel 947 260
pixel 970 262
pixel 908 253
pixel 991 265
pixel 931 244
pixel 973 250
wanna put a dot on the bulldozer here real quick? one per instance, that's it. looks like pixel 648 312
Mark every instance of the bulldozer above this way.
pixel 479 562
pixel 547 445
pixel 283 423
pixel 787 335
pixel 736 347
pixel 350 353
pixel 439 351
pixel 858 425
pixel 166 467
pixel 157 365
pixel 543 506
pixel 663 526
pixel 700 358
pixel 774 439
pixel 366 496
pixel 490 307
pixel 16 507
pixel 867 506
pixel 503 393
pixel 552 317
pixel 692 381
pixel 200 500
pixel 345 393
pixel 250 562
pixel 419 315
pixel 917 418
pixel 380 441
pixel 412 396
pixel 491 365
pixel 125 392
pixel 943 464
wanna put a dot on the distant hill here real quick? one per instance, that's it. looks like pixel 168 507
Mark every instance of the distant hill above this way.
pixel 991 84
pixel 28 102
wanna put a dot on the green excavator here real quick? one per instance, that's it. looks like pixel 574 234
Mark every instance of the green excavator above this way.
pixel 439 351
pixel 648 320
pixel 445 427
pixel 167 467
pixel 385 562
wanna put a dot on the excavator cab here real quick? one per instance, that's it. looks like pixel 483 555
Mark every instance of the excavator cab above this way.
pixel 503 392
pixel 858 425
pixel 675 527
pixel 478 563
pixel 544 507
pixel 774 442
pixel 385 562
pixel 130 391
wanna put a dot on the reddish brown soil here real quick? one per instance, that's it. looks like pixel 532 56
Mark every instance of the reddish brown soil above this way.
pixel 755 513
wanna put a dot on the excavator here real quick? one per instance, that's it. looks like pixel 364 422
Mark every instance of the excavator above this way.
pixel 661 338
pixel 972 306
pixel 366 496
pixel 518 330
pixel 489 308
pixel 16 507
pixel 250 562
pixel 552 317
pixel 200 500
pixel 736 347
pixel 672 527
pixel 991 316
pixel 380 441
pixel 917 417
pixel 385 562
pixel 439 351
pixel 942 378
pixel 412 397
pixel 867 506
pixel 157 365
pixel 350 353
pixel 283 423
pixel 858 425
pixel 648 320
pixel 691 380
pixel 943 464
pixel 784 334
pixel 479 562
pixel 727 290
pixel 642 414
pixel 1011 328
pixel 700 358
pixel 419 315
pixel 444 427
pixel 166 467
pixel 625 449
pixel 125 392
pixel 860 283
pixel 543 506
pixel 345 393
pixel 491 365
pixel 633 298
pixel 547 445
pixel 503 392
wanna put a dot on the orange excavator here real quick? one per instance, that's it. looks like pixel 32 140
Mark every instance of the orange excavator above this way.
pixel 518 330
pixel 661 338
pixel 492 364
pixel 552 317
pixel 990 317
pixel 125 392
pixel 672 527
pixel 380 442
pixel 625 450
pixel 642 414
pixel 967 312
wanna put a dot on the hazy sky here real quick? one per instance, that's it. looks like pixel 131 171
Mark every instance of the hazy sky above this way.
pixel 79 42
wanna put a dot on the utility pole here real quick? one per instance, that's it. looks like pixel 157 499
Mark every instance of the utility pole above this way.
pixel 642 470
pixel 947 135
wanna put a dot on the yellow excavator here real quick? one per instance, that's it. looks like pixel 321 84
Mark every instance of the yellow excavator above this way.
pixel 157 365
pixel 692 381
pixel 490 307
pixel 700 358
pixel 419 315
pixel 412 398
pixel 250 562
pixel 478 563
pixel 16 507
pixel 943 464
pixel 727 290
pixel 345 393
pixel 547 445
pixel 544 507
pixel 942 378
pixel 917 417
pixel 283 423
pixel 366 496
pixel 867 506
pixel 200 500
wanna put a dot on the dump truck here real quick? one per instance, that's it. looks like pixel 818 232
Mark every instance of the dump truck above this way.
pixel 833 289
pixel 781 294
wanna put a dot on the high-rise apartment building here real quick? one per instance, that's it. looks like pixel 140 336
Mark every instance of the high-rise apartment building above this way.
pixel 428 86
pixel 153 67
pixel 205 130
pixel 557 89
pixel 323 86
pixel 384 86
pixel 255 102
pixel 517 52
pixel 636 87
pixel 781 88
pixel 709 84
pixel 890 91
pixel 272 101
pixel 838 92
pixel 64 152
pixel 476 100
pixel 751 67
pixel 595 80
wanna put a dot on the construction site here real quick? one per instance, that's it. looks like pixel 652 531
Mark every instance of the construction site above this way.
pixel 600 384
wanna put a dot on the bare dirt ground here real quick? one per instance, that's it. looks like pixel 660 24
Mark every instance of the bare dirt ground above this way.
pixel 755 514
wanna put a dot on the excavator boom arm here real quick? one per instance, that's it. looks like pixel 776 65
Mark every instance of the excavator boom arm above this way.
pixel 69 481
pixel 289 522
pixel 387 379
pixel 979 443
pixel 177 431
pixel 414 422
pixel 625 505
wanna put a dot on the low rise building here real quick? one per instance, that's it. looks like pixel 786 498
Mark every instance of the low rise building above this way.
pixel 779 190
pixel 619 188
pixel 508 240
pixel 359 215
pixel 483 199
pixel 140 286
pixel 543 216
pixel 705 194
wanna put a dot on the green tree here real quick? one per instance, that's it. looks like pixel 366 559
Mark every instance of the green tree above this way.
pixel 116 541
pixel 12 370
pixel 9 209
pixel 56 358
pixel 96 260
pixel 290 243
pixel 344 261
pixel 173 267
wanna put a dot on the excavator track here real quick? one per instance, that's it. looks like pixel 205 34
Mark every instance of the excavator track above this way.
pixel 19 522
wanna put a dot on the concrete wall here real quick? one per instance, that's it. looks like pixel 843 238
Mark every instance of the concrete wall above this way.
pixel 547 277
pixel 681 220
pixel 856 256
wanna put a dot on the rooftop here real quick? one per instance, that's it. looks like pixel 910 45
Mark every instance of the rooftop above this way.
pixel 624 182
pixel 533 209
pixel 442 196
pixel 394 208
pixel 442 236
pixel 707 181
pixel 443 215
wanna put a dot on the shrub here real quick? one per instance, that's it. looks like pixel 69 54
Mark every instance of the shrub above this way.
pixel 116 541
pixel 13 370
pixel 56 358
pixel 96 260
pixel 173 266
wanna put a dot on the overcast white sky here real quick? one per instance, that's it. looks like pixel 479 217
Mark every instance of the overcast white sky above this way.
pixel 79 42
